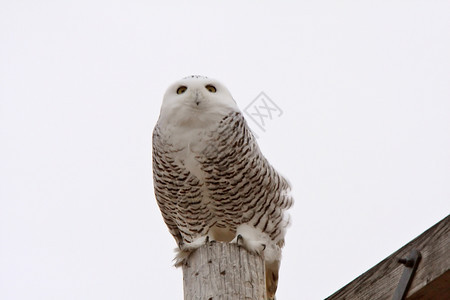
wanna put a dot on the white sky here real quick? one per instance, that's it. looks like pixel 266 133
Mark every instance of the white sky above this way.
pixel 364 137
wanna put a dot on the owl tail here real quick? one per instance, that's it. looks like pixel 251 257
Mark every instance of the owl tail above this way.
pixel 180 257
pixel 272 278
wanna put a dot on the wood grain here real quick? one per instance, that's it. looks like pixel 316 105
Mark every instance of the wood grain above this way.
pixel 431 280
pixel 222 271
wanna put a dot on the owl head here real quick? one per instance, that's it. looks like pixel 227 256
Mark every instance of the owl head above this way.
pixel 196 101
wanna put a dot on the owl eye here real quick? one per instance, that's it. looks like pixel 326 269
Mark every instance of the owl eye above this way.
pixel 211 88
pixel 181 90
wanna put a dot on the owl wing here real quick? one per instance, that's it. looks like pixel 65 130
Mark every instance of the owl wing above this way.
pixel 245 187
pixel 165 174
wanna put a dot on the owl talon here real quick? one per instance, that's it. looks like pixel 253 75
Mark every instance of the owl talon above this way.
pixel 252 246
pixel 209 240
pixel 240 240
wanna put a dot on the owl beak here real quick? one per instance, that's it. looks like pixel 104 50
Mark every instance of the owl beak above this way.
pixel 197 98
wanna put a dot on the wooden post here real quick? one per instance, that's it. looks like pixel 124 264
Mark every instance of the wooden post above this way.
pixel 219 271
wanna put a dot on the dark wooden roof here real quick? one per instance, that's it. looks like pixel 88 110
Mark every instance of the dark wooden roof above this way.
pixel 431 280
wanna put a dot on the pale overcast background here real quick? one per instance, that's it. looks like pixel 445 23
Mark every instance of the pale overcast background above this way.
pixel 364 137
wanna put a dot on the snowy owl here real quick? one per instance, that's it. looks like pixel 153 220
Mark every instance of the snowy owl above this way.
pixel 211 181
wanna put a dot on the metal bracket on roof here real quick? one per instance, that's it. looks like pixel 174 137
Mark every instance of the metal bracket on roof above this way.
pixel 411 262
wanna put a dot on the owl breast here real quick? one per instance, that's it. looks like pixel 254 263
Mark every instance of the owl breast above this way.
pixel 191 146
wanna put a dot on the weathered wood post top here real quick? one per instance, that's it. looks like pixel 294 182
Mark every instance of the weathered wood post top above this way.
pixel 219 271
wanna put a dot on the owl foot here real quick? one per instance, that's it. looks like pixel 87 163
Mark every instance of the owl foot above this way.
pixel 195 244
pixel 209 240
pixel 239 240
pixel 185 249
pixel 253 246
